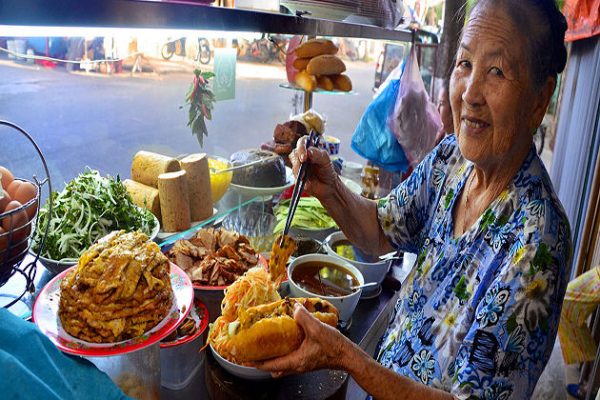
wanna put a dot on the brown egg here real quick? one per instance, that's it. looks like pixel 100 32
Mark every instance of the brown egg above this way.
pixel 4 201
pixel 16 222
pixel 13 187
pixel 7 177
pixel 24 193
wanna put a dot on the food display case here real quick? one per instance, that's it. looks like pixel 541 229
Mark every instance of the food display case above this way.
pixel 236 205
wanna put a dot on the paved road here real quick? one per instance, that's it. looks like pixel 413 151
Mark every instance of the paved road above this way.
pixel 102 121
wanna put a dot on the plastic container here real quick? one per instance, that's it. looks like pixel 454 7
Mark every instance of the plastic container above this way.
pixel 181 358
pixel 136 373
pixel 352 170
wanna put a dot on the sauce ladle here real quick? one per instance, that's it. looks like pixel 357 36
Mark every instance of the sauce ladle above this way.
pixel 364 285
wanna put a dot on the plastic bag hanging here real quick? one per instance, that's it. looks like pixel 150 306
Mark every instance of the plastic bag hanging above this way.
pixel 373 139
pixel 415 120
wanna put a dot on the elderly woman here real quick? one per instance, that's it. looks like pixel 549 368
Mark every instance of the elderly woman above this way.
pixel 478 314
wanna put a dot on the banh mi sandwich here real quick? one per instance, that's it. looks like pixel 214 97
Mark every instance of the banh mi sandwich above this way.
pixel 269 330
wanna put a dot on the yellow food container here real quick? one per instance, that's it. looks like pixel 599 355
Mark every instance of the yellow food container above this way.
pixel 219 182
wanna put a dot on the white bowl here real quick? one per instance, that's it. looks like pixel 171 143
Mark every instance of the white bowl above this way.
pixel 249 373
pixel 344 304
pixel 372 272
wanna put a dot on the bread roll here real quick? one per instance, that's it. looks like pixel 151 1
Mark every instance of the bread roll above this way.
pixel 199 191
pixel 147 166
pixel 269 330
pixel 325 83
pixel 325 65
pixel 342 82
pixel 301 63
pixel 315 47
pixel 174 201
pixel 306 81
pixel 144 196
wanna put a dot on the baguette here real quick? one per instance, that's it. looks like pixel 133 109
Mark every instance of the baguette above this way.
pixel 325 83
pixel 269 330
pixel 301 63
pixel 342 82
pixel 315 47
pixel 325 65
pixel 306 81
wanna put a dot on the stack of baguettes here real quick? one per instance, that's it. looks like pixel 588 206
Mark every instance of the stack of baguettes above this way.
pixel 120 289
pixel 319 67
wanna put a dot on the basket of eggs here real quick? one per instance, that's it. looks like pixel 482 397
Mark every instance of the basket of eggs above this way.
pixel 19 203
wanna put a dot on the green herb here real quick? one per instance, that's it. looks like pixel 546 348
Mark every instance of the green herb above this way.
pixel 201 100
pixel 89 207
pixel 310 214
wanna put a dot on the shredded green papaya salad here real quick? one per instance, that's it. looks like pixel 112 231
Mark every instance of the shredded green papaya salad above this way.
pixel 310 214
pixel 90 207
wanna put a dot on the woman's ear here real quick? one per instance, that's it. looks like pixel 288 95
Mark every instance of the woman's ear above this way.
pixel 542 99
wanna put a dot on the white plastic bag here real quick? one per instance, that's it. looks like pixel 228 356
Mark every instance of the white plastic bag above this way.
pixel 415 120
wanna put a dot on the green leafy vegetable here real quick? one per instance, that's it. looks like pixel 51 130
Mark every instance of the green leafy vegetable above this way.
pixel 89 207
pixel 310 214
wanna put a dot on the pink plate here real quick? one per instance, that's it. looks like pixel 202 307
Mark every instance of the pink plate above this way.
pixel 201 317
pixel 45 316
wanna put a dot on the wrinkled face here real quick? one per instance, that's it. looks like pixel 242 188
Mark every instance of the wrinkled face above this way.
pixel 443 106
pixel 493 101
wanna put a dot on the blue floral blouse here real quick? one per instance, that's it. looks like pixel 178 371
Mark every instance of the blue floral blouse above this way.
pixel 478 314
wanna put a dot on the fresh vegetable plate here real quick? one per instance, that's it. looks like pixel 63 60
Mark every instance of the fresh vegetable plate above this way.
pixel 251 191
pixel 90 207
pixel 45 316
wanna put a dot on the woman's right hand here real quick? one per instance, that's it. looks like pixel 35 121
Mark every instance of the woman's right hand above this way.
pixel 322 179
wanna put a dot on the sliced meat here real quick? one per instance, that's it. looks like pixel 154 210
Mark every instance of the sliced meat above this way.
pixel 184 262
pixel 227 238
pixel 228 252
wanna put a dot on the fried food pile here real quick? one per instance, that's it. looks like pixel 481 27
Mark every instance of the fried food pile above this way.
pixel 214 257
pixel 120 289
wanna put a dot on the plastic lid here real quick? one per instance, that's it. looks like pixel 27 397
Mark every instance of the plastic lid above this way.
pixel 353 166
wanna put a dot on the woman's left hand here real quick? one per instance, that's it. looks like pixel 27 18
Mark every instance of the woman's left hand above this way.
pixel 322 347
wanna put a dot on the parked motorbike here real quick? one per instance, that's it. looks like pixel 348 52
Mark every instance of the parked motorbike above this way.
pixel 177 47
pixel 264 49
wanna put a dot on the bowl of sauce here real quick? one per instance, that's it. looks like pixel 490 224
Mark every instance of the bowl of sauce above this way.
pixel 329 278
pixel 372 268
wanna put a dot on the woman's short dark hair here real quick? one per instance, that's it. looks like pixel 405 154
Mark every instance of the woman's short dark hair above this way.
pixel 543 26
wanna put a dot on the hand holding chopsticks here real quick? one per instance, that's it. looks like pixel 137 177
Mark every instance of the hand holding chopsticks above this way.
pixel 313 140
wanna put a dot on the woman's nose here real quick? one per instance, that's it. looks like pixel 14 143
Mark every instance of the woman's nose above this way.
pixel 473 94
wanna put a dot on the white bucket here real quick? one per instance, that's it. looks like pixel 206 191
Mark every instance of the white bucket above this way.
pixel 10 44
pixel 20 47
